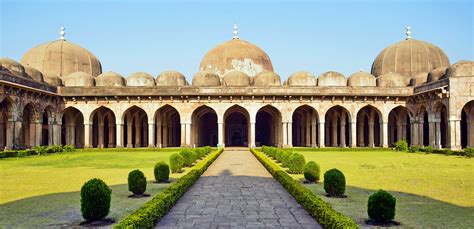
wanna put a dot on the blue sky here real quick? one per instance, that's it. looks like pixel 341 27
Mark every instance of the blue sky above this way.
pixel 315 36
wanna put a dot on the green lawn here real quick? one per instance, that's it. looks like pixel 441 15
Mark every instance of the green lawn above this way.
pixel 431 190
pixel 44 190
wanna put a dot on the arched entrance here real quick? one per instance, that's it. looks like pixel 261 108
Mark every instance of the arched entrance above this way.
pixel 28 130
pixel 103 128
pixel 168 127
pixel 399 125
pixel 304 127
pixel 368 127
pixel 72 128
pixel 440 125
pixel 204 127
pixel 268 124
pixel 6 124
pixel 236 125
pixel 467 125
pixel 337 127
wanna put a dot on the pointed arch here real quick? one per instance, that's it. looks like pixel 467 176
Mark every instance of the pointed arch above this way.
pixel 135 127
pixel 72 128
pixel 204 126
pixel 337 127
pixel 103 128
pixel 305 126
pixel 467 125
pixel 168 127
pixel 268 123
pixel 28 126
pixel 7 109
pixel 368 127
pixel 236 126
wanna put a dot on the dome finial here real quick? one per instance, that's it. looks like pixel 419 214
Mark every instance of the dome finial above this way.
pixel 235 32
pixel 408 33
pixel 62 33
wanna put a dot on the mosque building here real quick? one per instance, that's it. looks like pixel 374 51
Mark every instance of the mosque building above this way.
pixel 58 94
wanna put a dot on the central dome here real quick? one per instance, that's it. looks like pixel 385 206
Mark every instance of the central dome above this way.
pixel 238 55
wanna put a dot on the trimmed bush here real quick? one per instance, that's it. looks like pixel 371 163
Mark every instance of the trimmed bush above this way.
pixel 136 182
pixel 413 149
pixel 200 152
pixel 426 149
pixel 311 171
pixel 469 152
pixel 285 158
pixel 69 148
pixel 23 153
pixel 95 199
pixel 162 172
pixel 401 145
pixel 208 149
pixel 334 183
pixel 188 157
pixel 278 155
pixel 176 162
pixel 296 163
pixel 381 207
pixel 40 150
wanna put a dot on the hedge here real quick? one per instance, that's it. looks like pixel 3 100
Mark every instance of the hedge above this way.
pixel 38 150
pixel 316 207
pixel 152 211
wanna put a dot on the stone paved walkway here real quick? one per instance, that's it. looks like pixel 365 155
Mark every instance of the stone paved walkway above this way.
pixel 237 191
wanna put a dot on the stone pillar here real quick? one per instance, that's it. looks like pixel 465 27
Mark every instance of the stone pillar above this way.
pixel 183 135
pixel 399 132
pixel 39 133
pixel 290 134
pixel 384 133
pixel 421 134
pixel 87 135
pixel 11 134
pixel 334 133
pixel 432 136
pixel 285 134
pixel 129 134
pixel 470 133
pixel 110 144
pixel 343 134
pixel 321 135
pixel 313 134
pixel 57 134
pixel 2 134
pixel 100 142
pixel 188 134
pixel 51 134
pixel 138 133
pixel 32 131
pixel 220 134
pixel 159 137
pixel 151 134
pixel 252 135
pixel 308 131
pixel 414 134
pixel 165 142
pixel 353 134
pixel 119 135
pixel 360 136
pixel 371 135
pixel 437 144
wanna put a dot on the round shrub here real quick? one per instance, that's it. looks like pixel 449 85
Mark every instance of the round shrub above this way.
pixel 208 149
pixel 311 171
pixel 200 153
pixel 188 157
pixel 278 154
pixel 136 182
pixel 334 183
pixel 271 152
pixel 381 207
pixel 296 163
pixel 95 199
pixel 285 158
pixel 162 172
pixel 176 162
pixel 401 145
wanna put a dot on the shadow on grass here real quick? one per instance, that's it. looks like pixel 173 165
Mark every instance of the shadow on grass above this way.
pixel 412 211
pixel 63 209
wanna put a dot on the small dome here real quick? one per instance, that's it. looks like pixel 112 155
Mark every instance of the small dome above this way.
pixel 140 79
pixel 206 79
pixel 78 79
pixel 461 68
pixel 61 58
pixel 409 58
pixel 34 74
pixel 332 79
pixel 266 78
pixel 236 78
pixel 436 74
pixel 419 79
pixel 110 79
pixel 171 78
pixel 13 67
pixel 361 79
pixel 236 54
pixel 301 79
pixel 392 80
pixel 53 80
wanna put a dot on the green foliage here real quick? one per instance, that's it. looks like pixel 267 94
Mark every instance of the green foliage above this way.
pixel 296 163
pixel 69 148
pixel 381 207
pixel 188 157
pixel 334 183
pixel 278 155
pixel 312 171
pixel 207 149
pixel 136 182
pixel 200 152
pixel 95 199
pixel 285 158
pixel 426 149
pixel 176 162
pixel 469 152
pixel 152 211
pixel 40 150
pixel 314 205
pixel 401 145
pixel 413 149
pixel 162 172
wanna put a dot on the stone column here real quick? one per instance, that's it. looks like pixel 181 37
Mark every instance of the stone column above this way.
pixel 353 134
pixel 313 134
pixel 188 134
pixel 159 137
pixel 138 134
pixel 100 142
pixel 220 134
pixel 399 132
pixel 32 131
pixel 151 134
pixel 384 133
pixel 470 133
pixel 371 135
pixel 321 135
pixel 252 135
pixel 421 134
pixel 437 144
pixel 39 133
pixel 2 134
pixel 57 134
pixel 360 136
pixel 110 144
pixel 51 134
pixel 290 134
pixel 334 133
pixel 285 134
pixel 165 136
pixel 343 134
pixel 308 131
pixel 129 134
pixel 119 135
pixel 432 136
pixel 11 134
pixel 414 134
pixel 183 135
pixel 87 135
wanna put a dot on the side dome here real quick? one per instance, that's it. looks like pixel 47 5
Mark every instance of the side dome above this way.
pixel 78 79
pixel 332 79
pixel 109 79
pixel 236 78
pixel 460 68
pixel 362 79
pixel 53 80
pixel 62 58
pixel 140 79
pixel 301 79
pixel 392 80
pixel 409 58
pixel 236 54
pixel 13 67
pixel 171 78
pixel 266 78
pixel 419 79
pixel 206 79
pixel 34 74
pixel 436 74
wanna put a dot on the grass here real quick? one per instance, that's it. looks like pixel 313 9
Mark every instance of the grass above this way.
pixel 45 190
pixel 431 190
